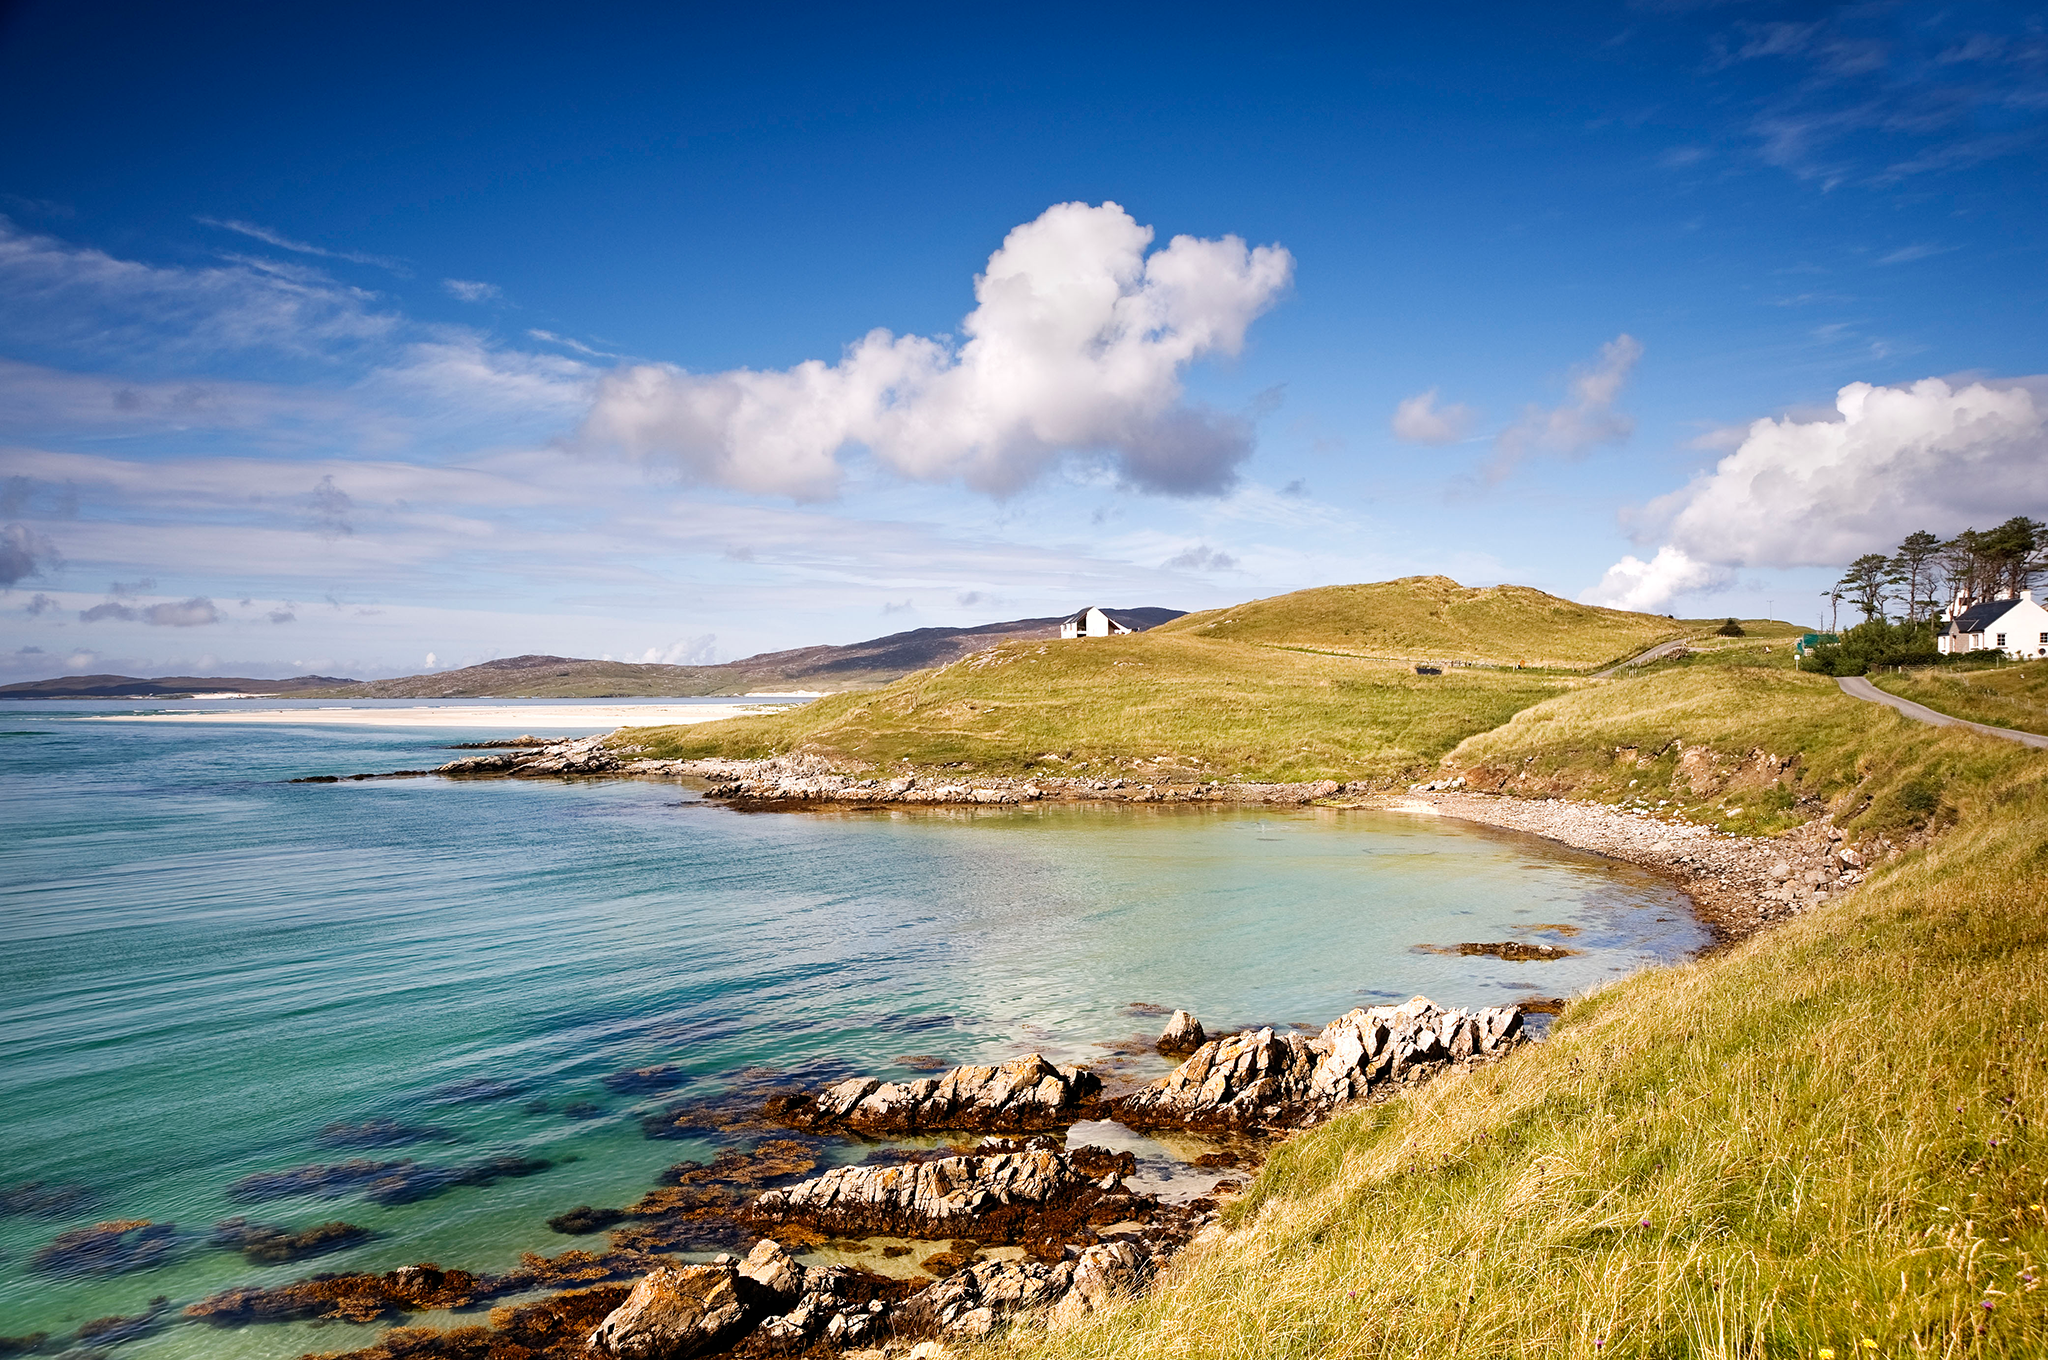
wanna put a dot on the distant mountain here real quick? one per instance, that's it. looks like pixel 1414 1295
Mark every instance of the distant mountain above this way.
pixel 859 665
pixel 164 686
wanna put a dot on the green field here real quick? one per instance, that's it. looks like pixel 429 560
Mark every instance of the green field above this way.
pixel 1152 702
pixel 1829 1139
pixel 2006 696
pixel 1433 618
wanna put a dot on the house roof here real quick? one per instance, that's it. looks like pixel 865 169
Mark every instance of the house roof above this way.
pixel 1137 620
pixel 1978 617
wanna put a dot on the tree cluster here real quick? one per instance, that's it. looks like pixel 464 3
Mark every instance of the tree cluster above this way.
pixel 1927 574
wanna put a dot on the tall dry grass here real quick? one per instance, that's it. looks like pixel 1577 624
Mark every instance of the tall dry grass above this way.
pixel 2005 696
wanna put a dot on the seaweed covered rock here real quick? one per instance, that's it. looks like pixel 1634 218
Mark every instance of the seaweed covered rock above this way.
pixel 270 1243
pixel 1024 1095
pixel 357 1297
pixel 1264 1077
pixel 111 1248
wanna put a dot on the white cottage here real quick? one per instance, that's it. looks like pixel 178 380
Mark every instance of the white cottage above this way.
pixel 2019 628
pixel 1095 621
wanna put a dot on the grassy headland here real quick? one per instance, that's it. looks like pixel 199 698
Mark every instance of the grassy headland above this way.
pixel 1831 1133
pixel 1433 618
pixel 2007 696
pixel 1289 688
pixel 1154 700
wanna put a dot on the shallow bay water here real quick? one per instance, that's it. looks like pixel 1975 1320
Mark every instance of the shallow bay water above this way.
pixel 205 966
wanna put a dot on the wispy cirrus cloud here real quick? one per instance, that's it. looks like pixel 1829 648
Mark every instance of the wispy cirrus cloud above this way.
pixel 273 238
pixel 1879 94
pixel 1588 419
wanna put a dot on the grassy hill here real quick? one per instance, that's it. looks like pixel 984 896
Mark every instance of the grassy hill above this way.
pixel 1433 618
pixel 1152 701
pixel 167 686
pixel 1832 1139
pixel 1259 690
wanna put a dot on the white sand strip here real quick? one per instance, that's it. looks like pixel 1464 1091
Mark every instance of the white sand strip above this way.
pixel 546 719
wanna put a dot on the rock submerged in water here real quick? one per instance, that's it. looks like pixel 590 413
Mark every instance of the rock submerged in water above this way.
pixel 1024 1095
pixel 1183 1034
pixel 1264 1077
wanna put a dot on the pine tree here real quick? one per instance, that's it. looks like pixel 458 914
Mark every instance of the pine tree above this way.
pixel 1866 583
pixel 1914 565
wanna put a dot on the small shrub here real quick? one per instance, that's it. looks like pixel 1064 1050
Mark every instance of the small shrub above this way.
pixel 1730 629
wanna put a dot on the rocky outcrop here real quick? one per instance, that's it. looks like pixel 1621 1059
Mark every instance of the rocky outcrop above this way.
pixel 1268 1078
pixel 998 1191
pixel 1025 1095
pixel 970 1303
pixel 676 1312
pixel 584 755
pixel 1183 1034
pixel 1102 1274
pixel 681 1311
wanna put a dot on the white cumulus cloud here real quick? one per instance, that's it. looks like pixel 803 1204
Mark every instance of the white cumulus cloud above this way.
pixel 1077 344
pixel 1419 420
pixel 1821 492
pixel 1633 583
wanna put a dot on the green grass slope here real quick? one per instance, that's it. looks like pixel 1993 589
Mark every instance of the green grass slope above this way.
pixel 1434 618
pixel 1830 1140
pixel 1156 700
pixel 2008 696
pixel 1777 746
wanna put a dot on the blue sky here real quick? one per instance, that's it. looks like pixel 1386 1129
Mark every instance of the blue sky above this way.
pixel 362 340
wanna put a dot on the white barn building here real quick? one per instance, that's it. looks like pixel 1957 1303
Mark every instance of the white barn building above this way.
pixel 2019 628
pixel 1095 621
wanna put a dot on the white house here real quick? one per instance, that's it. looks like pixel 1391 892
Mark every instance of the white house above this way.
pixel 1095 621
pixel 2019 628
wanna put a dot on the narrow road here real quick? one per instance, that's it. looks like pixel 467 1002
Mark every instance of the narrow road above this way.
pixel 1856 687
pixel 1661 649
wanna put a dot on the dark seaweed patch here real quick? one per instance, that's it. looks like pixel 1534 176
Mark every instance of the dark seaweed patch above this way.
pixel 383 1133
pixel 645 1080
pixel 112 1248
pixel 269 1243
pixel 34 1199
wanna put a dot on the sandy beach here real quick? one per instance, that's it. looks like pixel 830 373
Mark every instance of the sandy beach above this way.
pixel 525 717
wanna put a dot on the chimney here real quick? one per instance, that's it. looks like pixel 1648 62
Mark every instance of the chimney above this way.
pixel 2026 597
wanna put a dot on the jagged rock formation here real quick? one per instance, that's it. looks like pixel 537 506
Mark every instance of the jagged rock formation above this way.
pixel 1183 1034
pixel 1024 1095
pixel 969 1304
pixel 930 1198
pixel 676 1312
pixel 1267 1078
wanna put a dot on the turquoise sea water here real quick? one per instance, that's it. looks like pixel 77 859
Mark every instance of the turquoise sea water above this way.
pixel 203 966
